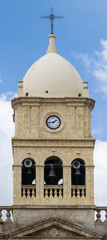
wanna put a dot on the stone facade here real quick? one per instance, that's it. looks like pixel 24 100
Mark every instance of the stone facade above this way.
pixel 70 141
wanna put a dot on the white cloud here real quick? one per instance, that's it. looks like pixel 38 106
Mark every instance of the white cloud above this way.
pixel 6 132
pixel 96 64
pixel 103 53
pixel 84 57
pixel 100 157
pixel 100 66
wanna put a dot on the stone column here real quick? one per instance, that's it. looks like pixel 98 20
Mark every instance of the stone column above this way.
pixel 17 184
pixel 40 182
pixel 65 182
pixel 69 181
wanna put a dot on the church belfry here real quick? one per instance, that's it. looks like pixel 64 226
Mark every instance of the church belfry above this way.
pixel 53 146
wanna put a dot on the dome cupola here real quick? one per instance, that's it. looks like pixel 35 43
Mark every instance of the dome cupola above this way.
pixel 52 76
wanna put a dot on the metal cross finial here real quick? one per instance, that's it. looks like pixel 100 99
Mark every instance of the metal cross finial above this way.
pixel 52 17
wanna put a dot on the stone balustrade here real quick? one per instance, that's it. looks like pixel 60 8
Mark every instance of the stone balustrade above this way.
pixel 6 211
pixel 28 191
pixel 100 214
pixel 78 191
pixel 53 191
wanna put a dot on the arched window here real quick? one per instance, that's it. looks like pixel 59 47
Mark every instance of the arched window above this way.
pixel 28 172
pixel 53 171
pixel 78 172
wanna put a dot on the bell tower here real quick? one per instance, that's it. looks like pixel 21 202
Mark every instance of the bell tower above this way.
pixel 53 145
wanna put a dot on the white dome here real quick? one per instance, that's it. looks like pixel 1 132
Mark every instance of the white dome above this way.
pixel 52 76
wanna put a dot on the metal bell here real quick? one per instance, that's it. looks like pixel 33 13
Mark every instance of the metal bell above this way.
pixel 52 175
pixel 29 171
pixel 77 172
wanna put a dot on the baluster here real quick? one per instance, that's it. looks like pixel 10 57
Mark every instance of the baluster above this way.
pixel 73 192
pixel 60 193
pixel 23 192
pixel 1 215
pixel 55 192
pixel 50 192
pixel 78 193
pixel 28 193
pixel 8 215
pixel 33 192
pixel 98 215
pixel 46 193
pixel 105 216
pixel 84 192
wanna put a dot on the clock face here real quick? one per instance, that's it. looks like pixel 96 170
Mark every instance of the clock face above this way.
pixel 53 122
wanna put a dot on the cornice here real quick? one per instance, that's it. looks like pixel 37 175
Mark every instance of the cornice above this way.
pixel 35 101
pixel 57 143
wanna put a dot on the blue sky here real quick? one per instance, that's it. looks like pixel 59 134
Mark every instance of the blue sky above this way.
pixel 81 37
pixel 24 38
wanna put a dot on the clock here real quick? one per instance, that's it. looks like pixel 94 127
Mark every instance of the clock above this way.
pixel 53 122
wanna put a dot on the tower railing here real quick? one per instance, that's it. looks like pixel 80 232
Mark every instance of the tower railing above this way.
pixel 78 191
pixel 28 191
pixel 52 191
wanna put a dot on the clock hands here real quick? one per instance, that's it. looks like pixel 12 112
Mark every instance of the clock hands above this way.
pixel 53 121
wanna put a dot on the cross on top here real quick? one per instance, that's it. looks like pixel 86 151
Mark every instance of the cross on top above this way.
pixel 52 17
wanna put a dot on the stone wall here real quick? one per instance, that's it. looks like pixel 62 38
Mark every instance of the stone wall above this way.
pixel 70 141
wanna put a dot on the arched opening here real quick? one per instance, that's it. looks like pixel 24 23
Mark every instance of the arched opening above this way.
pixel 78 172
pixel 53 171
pixel 28 172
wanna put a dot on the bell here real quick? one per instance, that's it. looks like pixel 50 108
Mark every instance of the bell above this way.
pixel 52 177
pixel 29 174
pixel 77 172
pixel 29 171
